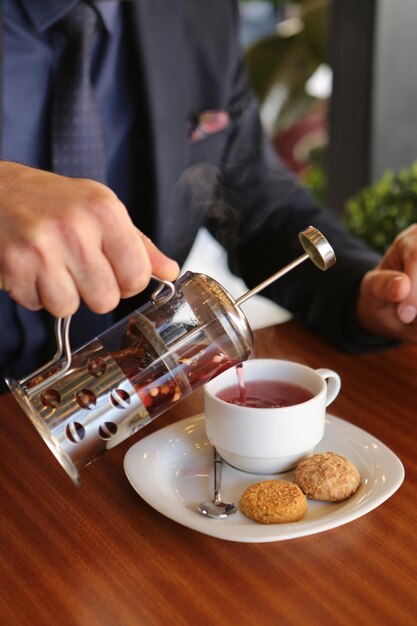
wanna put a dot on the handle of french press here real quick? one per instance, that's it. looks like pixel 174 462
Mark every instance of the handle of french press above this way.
pixel 63 354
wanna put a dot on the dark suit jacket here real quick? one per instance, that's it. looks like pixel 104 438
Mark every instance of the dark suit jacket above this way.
pixel 231 181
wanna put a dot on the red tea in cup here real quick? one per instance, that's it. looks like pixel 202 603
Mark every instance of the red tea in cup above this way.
pixel 274 440
pixel 265 394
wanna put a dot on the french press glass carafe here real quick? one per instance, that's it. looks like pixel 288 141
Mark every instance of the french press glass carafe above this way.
pixel 86 402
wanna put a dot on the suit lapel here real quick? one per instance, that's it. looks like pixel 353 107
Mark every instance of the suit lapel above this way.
pixel 158 25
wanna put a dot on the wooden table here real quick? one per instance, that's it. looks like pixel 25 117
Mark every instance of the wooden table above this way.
pixel 99 555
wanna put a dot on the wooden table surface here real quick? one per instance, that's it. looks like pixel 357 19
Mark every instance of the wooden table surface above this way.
pixel 99 555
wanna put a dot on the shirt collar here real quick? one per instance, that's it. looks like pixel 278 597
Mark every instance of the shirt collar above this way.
pixel 45 14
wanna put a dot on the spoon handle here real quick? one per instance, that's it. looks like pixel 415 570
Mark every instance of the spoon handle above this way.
pixel 218 462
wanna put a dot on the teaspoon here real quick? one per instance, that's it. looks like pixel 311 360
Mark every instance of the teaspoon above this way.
pixel 217 509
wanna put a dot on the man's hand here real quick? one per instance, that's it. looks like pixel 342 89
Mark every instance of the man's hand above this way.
pixel 62 239
pixel 387 303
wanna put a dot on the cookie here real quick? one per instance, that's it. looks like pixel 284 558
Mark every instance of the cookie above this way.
pixel 327 476
pixel 273 502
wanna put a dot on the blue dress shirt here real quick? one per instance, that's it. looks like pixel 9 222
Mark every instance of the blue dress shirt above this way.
pixel 30 60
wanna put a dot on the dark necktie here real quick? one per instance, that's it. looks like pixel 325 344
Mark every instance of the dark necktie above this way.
pixel 77 134
pixel 77 137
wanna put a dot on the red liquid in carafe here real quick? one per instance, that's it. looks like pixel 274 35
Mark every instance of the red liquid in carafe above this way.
pixel 158 380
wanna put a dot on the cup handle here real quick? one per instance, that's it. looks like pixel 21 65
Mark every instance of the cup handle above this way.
pixel 333 383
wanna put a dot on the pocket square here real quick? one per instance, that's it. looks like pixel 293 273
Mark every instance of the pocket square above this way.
pixel 208 123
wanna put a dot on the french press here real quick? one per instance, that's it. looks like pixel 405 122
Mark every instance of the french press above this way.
pixel 86 402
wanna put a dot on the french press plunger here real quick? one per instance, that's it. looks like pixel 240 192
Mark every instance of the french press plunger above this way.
pixel 86 402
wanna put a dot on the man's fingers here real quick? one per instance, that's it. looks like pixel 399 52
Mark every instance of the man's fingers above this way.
pixel 385 286
pixel 64 239
pixel 58 293
pixel 19 272
pixel 129 260
pixel 402 255
pixel 134 259
pixel 96 282
pixel 162 265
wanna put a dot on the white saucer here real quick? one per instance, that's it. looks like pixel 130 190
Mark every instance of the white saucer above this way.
pixel 171 469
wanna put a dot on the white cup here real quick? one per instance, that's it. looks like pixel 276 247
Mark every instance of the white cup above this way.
pixel 269 440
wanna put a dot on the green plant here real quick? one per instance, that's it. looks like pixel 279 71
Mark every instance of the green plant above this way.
pixel 315 179
pixel 381 211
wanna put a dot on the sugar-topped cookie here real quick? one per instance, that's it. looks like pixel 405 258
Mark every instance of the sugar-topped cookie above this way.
pixel 327 476
pixel 273 502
